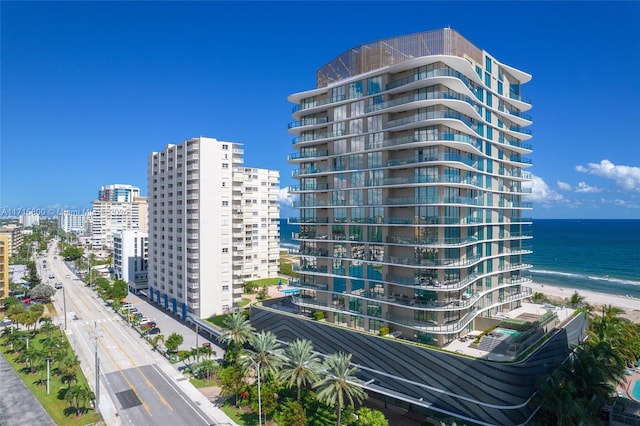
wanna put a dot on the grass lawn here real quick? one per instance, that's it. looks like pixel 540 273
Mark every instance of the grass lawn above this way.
pixel 239 416
pixel 54 403
pixel 268 282
pixel 218 320
pixel 200 383
pixel 244 302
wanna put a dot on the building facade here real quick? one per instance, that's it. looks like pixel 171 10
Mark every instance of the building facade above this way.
pixel 206 226
pixel 28 219
pixel 411 164
pixel 14 236
pixel 73 222
pixel 4 268
pixel 118 192
pixel 112 216
pixel 131 257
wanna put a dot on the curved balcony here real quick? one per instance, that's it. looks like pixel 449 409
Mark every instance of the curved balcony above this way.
pixel 418 304
pixel 431 115
pixel 457 325
pixel 434 263
pixel 432 242
pixel 440 137
pixel 308 122
pixel 318 136
pixel 420 97
pixel 515 204
pixel 445 71
pixel 444 157
pixel 318 103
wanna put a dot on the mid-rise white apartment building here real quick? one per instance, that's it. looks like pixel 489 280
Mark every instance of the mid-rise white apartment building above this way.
pixel 206 233
pixel 74 222
pixel 118 192
pixel 130 258
pixel 29 219
pixel 111 216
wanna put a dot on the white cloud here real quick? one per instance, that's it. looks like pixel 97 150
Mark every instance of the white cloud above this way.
pixel 285 198
pixel 626 177
pixel 584 187
pixel 540 191
pixel 564 186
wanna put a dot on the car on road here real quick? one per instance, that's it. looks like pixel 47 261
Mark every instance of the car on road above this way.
pixel 5 322
pixel 51 276
pixel 58 285
pixel 154 330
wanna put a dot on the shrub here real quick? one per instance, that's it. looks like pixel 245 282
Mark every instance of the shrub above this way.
pixel 384 331
pixel 318 315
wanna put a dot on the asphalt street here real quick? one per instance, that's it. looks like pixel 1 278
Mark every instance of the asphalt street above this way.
pixel 138 386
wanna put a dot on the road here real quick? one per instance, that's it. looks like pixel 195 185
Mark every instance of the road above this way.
pixel 137 385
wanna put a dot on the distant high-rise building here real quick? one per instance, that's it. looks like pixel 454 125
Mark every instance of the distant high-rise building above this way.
pixel 28 219
pixel 74 222
pixel 4 268
pixel 111 216
pixel 212 225
pixel 131 257
pixel 118 192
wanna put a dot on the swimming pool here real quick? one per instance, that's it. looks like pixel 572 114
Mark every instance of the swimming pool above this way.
pixel 290 290
pixel 508 332
pixel 635 390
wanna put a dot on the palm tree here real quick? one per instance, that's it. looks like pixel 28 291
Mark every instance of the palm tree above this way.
pixel 339 383
pixel 301 365
pixel 266 353
pixel 237 332
pixel 68 368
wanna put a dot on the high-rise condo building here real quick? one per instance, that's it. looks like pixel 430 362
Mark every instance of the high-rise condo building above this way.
pixel 72 221
pixel 411 158
pixel 118 192
pixel 111 216
pixel 212 225
pixel 411 168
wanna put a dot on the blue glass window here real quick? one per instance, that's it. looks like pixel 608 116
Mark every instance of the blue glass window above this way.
pixel 487 79
pixel 487 64
pixel 500 87
pixel 489 99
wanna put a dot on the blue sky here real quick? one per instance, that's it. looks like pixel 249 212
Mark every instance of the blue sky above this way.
pixel 89 89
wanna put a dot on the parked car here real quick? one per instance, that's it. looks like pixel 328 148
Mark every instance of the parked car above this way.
pixel 5 322
pixel 154 330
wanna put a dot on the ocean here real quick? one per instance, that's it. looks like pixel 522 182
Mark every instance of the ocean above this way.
pixel 590 254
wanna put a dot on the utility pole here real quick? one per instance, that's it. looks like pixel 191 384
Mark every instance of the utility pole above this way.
pixel 97 364
pixel 64 304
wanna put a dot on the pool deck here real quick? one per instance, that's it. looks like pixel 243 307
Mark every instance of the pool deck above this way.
pixel 626 387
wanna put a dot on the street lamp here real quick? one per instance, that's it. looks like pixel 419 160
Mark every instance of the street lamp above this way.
pixel 257 365
pixel 192 318
pixel 48 374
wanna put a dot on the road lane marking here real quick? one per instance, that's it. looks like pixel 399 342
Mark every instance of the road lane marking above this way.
pixel 133 388
pixel 146 379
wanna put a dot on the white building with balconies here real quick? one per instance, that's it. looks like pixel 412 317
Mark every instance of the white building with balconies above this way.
pixel 212 225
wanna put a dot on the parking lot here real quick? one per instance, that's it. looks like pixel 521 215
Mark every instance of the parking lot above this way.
pixel 168 324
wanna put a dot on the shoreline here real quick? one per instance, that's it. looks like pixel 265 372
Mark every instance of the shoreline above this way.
pixel 631 305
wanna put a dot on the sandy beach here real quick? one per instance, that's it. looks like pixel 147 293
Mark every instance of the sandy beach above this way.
pixel 630 305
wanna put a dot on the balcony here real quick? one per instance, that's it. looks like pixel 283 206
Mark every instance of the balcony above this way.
pixel 431 115
pixel 455 137
pixel 420 97
pixel 439 72
pixel 308 122
pixel 318 136
pixel 319 102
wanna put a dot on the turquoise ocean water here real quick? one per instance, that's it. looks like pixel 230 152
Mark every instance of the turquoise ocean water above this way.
pixel 588 254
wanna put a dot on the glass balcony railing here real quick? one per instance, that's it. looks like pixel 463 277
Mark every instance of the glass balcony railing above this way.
pixel 436 242
pixel 438 72
pixel 475 142
pixel 431 115
pixel 434 263
pixel 452 157
pixel 303 155
pixel 420 97
pixel 309 187
pixel 308 122
pixel 318 136
pixel 319 102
